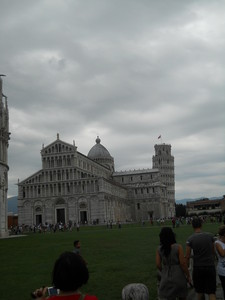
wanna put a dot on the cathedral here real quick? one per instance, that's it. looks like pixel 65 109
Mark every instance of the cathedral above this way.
pixel 4 142
pixel 74 188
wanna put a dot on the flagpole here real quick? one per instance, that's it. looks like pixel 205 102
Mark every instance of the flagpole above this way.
pixel 160 138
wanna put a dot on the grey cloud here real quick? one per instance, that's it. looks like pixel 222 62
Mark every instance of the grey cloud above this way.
pixel 125 70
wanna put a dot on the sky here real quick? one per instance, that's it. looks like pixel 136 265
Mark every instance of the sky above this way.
pixel 124 70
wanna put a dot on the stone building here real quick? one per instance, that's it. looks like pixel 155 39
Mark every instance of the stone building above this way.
pixel 73 187
pixel 4 138
pixel 206 206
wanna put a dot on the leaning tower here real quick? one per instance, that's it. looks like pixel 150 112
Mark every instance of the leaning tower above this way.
pixel 4 138
pixel 164 161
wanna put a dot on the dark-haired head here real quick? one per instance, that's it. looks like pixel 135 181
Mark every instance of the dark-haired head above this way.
pixel 70 272
pixel 222 230
pixel 167 238
pixel 75 243
pixel 196 223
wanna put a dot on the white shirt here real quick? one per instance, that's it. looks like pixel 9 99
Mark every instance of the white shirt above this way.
pixel 221 260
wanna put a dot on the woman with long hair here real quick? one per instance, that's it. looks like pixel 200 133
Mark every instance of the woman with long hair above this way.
pixel 172 264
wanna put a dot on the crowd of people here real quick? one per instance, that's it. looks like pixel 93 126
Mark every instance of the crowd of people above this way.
pixel 42 228
pixel 70 271
pixel 63 227
pixel 173 264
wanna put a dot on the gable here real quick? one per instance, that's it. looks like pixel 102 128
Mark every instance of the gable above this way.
pixel 57 147
pixel 35 178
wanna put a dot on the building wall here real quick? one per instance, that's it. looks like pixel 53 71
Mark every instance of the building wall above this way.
pixel 164 161
pixel 146 192
pixel 12 221
pixel 4 138
pixel 72 187
pixel 203 206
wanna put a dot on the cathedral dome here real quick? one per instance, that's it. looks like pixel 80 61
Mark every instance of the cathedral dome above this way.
pixel 98 151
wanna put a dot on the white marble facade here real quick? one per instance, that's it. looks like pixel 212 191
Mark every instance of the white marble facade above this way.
pixel 4 138
pixel 73 187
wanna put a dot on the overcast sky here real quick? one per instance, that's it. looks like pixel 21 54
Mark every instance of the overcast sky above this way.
pixel 126 70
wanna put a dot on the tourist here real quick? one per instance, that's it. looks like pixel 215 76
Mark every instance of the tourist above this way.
pixel 173 222
pixel 119 225
pixel 171 262
pixel 76 249
pixel 69 274
pixel 220 251
pixel 135 291
pixel 204 273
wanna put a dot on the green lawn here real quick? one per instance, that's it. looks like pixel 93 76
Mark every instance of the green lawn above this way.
pixel 115 258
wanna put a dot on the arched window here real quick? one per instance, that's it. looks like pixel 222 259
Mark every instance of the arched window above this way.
pixel 60 201
pixel 38 209
pixel 24 194
pixel 83 205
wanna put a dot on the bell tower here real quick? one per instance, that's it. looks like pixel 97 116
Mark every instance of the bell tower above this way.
pixel 4 142
pixel 164 161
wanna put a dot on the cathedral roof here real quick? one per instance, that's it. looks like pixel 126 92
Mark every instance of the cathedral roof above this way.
pixel 99 151
pixel 135 172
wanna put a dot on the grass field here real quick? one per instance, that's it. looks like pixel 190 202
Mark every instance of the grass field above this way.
pixel 115 258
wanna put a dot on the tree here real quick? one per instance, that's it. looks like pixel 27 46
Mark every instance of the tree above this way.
pixel 180 210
